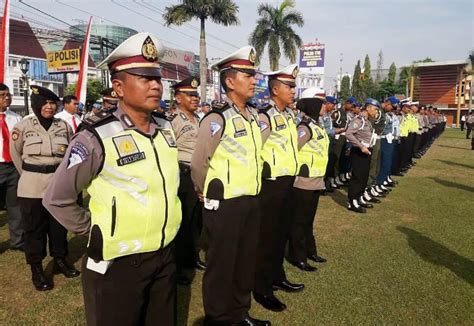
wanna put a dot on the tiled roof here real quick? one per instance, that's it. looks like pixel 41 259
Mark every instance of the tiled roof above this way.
pixel 23 41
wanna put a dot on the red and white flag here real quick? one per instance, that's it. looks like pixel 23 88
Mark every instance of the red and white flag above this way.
pixel 81 88
pixel 5 42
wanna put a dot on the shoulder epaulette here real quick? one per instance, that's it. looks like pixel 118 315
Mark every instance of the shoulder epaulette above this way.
pixel 101 116
pixel 220 105
pixel 171 117
pixel 252 105
pixel 265 108
pixel 156 114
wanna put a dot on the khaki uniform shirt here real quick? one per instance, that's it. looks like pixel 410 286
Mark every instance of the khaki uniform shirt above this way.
pixel 30 143
pixel 359 132
pixel 185 131
pixel 72 176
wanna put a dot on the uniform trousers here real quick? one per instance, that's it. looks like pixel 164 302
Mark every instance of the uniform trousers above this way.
pixel 40 226
pixel 228 280
pixel 386 158
pixel 469 130
pixel 8 182
pixel 396 156
pixel 360 173
pixel 275 222
pixel 187 239
pixel 302 242
pixel 345 160
pixel 332 157
pixel 417 143
pixel 404 152
pixel 374 163
pixel 138 289
pixel 411 146
pixel 339 147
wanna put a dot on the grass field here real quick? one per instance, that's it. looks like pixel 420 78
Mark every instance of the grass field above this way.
pixel 409 261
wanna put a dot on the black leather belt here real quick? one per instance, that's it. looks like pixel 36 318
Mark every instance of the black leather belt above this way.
pixel 39 168
pixel 184 167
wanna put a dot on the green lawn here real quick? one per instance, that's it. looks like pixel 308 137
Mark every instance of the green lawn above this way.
pixel 409 261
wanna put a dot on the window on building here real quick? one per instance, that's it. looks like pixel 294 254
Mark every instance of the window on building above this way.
pixel 17 87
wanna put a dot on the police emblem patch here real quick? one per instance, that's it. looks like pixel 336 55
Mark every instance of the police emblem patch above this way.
pixel 215 127
pixel 149 51
pixel 169 137
pixel 77 155
pixel 280 122
pixel 127 150
pixel 263 125
pixel 239 127
pixel 15 134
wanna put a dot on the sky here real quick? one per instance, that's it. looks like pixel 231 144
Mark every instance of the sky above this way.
pixel 405 30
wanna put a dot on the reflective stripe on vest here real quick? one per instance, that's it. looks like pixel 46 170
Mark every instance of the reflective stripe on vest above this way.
pixel 280 149
pixel 236 166
pixel 134 200
pixel 314 154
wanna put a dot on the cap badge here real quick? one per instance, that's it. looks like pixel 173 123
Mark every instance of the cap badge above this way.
pixel 35 90
pixel 113 94
pixel 149 51
pixel 194 83
pixel 295 72
pixel 252 56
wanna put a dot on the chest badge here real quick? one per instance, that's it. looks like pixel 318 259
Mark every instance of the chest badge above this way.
pixel 169 137
pixel 239 127
pixel 127 150
pixel 280 122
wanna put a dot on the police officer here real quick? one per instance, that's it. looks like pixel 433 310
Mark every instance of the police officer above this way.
pixel 185 124
pixel 8 174
pixel 128 161
pixel 359 133
pixel 339 120
pixel 313 143
pixel 326 120
pixel 109 99
pixel 280 163
pixel 226 168
pixel 37 146
pixel 387 143
pixel 374 190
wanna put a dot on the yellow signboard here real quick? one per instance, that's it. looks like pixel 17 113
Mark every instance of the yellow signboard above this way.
pixel 64 61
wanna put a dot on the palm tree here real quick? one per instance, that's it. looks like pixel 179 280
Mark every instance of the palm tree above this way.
pixel 275 28
pixel 218 11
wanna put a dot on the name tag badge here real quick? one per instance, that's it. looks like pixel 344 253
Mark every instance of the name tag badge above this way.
pixel 127 150
pixel 169 137
pixel 239 127
pixel 280 122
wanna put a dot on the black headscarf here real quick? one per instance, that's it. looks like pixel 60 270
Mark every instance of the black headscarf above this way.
pixel 310 106
pixel 39 97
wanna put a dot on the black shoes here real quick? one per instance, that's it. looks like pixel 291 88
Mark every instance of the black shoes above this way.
pixel 63 267
pixel 200 265
pixel 355 207
pixel 269 302
pixel 287 286
pixel 249 321
pixel 40 281
pixel 304 266
pixel 317 259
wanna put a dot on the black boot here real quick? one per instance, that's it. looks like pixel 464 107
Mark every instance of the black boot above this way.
pixel 63 267
pixel 40 281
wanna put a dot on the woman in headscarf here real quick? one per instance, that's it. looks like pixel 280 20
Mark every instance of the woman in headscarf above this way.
pixel 37 146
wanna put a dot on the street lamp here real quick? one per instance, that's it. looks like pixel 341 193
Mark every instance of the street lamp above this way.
pixel 24 66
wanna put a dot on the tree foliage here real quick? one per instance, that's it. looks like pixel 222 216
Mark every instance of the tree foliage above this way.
pixel 367 81
pixel 356 89
pixel 94 88
pixel 223 12
pixel 275 30
pixel 345 88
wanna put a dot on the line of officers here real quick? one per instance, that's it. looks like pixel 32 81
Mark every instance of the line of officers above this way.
pixel 251 177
